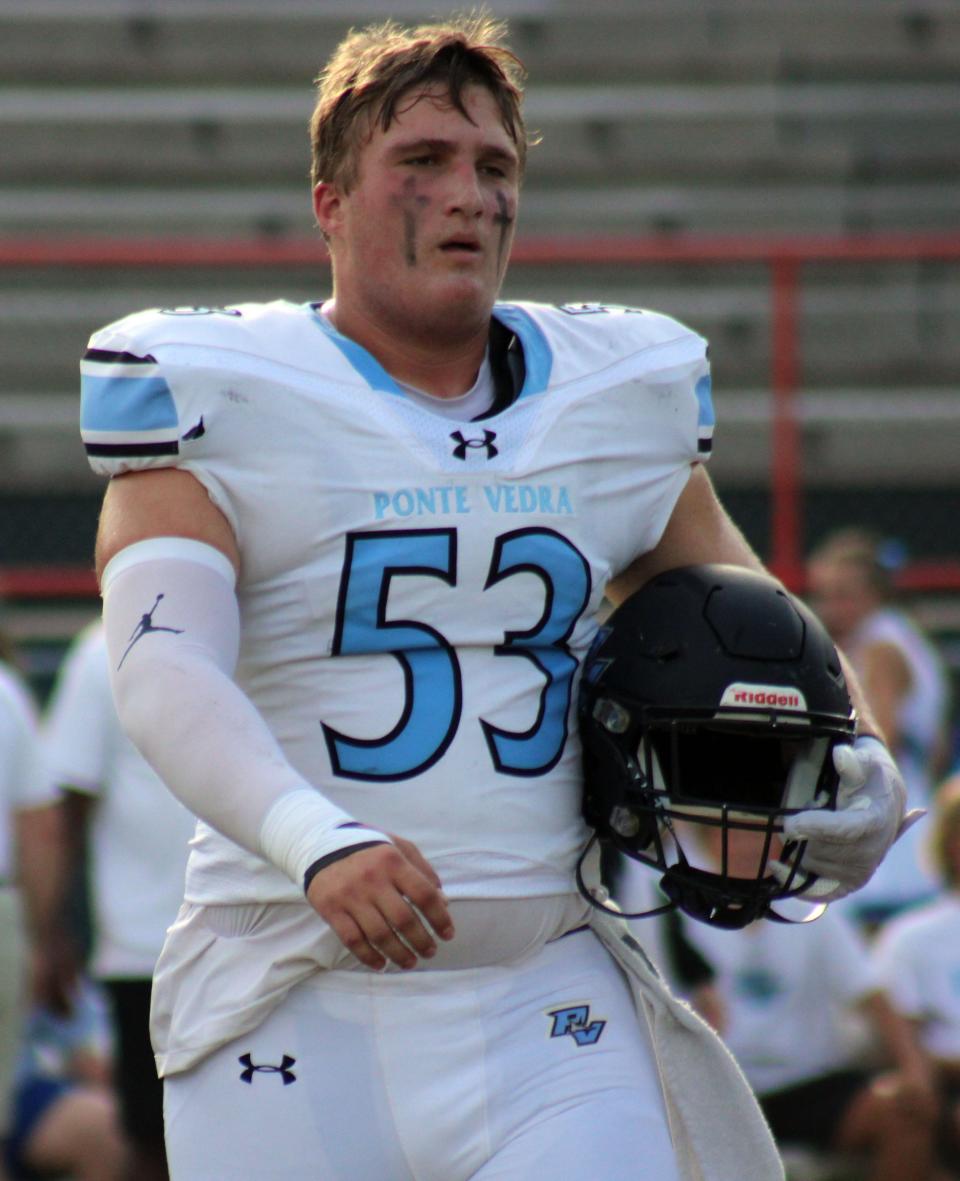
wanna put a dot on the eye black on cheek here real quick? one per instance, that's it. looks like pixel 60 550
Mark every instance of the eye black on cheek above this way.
pixel 503 218
pixel 504 215
pixel 411 203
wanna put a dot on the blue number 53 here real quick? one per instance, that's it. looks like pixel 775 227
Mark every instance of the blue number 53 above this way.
pixel 433 686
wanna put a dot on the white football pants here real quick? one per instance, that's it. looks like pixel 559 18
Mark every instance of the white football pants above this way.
pixel 536 1071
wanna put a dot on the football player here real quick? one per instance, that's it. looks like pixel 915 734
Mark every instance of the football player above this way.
pixel 352 556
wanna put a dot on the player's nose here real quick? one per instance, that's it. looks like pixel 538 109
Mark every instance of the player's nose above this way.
pixel 465 195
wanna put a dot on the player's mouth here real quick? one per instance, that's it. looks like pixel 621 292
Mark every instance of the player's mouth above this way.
pixel 464 245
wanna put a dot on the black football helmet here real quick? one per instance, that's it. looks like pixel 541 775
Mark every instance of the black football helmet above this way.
pixel 711 697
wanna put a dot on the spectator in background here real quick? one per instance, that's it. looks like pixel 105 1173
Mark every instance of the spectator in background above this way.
pixel 29 834
pixel 792 998
pixel 138 834
pixel 65 1112
pixel 918 960
pixel 903 679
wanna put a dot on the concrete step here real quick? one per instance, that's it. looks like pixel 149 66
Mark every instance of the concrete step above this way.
pixel 134 135
pixel 184 41
pixel 230 210
pixel 888 326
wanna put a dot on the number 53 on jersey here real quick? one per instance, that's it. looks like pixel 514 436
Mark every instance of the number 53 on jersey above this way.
pixel 433 687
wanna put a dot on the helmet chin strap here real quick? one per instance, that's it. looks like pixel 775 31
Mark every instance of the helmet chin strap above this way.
pixel 716 900
pixel 708 897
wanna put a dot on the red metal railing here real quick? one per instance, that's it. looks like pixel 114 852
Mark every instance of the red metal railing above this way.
pixel 784 258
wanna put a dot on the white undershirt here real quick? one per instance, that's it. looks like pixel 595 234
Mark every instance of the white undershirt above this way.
pixel 464 407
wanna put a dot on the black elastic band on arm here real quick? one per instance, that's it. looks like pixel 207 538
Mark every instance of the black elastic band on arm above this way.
pixel 322 862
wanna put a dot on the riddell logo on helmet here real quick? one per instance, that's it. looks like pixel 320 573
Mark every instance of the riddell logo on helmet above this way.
pixel 778 696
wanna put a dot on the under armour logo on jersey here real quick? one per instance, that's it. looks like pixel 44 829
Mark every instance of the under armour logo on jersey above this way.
pixel 250 1069
pixel 464 445
pixel 576 1022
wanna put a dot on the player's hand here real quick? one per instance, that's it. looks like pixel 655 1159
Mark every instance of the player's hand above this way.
pixel 54 973
pixel 845 846
pixel 383 902
pixel 914 1091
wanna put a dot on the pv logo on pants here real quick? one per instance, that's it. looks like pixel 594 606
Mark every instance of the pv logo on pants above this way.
pixel 576 1022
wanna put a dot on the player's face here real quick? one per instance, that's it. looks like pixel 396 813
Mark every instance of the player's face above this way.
pixel 840 595
pixel 744 850
pixel 421 241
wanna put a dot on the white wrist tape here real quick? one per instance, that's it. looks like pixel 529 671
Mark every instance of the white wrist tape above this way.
pixel 291 837
pixel 173 629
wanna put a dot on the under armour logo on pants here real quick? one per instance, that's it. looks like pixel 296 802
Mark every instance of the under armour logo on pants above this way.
pixel 250 1069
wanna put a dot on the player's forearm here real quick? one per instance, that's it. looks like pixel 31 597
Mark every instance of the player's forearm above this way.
pixel 867 723
pixel 172 627
pixel 897 1035
pixel 41 868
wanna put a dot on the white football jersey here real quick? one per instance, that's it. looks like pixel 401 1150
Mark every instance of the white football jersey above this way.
pixel 416 594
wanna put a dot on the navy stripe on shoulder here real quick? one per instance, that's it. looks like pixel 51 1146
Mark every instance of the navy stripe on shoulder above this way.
pixel 109 357
pixel 171 447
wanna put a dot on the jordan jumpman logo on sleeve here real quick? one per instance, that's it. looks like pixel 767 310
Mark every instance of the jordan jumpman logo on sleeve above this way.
pixel 144 627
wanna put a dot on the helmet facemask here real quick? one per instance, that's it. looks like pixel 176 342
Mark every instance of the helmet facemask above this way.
pixel 687 775
pixel 669 775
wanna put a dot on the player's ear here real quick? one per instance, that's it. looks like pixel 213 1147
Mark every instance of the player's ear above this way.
pixel 327 207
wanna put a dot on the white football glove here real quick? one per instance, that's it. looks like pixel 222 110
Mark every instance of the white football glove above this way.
pixel 845 846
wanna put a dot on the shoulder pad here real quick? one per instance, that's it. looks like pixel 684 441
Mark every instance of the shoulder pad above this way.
pixel 131 413
pixel 586 338
pixel 216 327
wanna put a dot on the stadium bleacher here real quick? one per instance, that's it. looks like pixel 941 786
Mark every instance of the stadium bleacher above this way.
pixel 846 100
pixel 187 118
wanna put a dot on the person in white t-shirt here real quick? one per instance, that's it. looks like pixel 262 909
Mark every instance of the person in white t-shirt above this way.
pixel 917 958
pixel 796 1001
pixel 136 834
pixel 903 678
pixel 29 833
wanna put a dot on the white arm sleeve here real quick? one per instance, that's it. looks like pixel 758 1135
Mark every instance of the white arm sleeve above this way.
pixel 173 629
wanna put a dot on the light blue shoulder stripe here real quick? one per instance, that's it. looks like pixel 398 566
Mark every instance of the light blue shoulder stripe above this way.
pixel 369 368
pixel 707 416
pixel 126 404
pixel 537 354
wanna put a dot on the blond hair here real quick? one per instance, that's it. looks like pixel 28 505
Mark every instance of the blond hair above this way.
pixel 944 830
pixel 371 69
